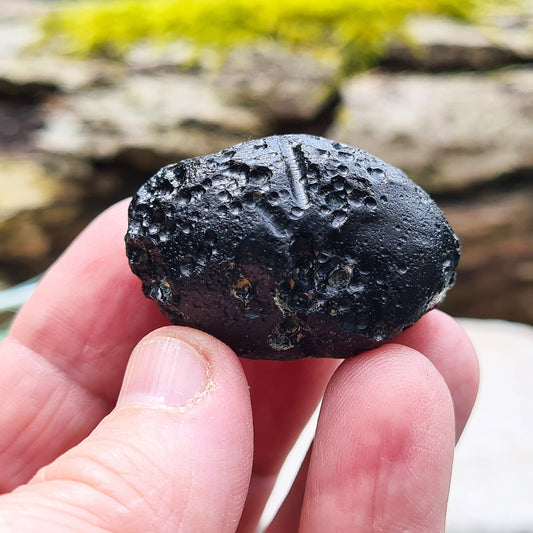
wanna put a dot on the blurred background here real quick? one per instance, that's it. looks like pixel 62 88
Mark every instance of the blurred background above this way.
pixel 96 96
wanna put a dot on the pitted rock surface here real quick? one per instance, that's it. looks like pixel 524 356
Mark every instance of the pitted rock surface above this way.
pixel 290 246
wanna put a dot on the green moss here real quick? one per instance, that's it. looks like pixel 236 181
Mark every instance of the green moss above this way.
pixel 359 30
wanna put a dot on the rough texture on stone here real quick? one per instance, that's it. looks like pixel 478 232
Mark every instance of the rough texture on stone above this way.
pixel 290 246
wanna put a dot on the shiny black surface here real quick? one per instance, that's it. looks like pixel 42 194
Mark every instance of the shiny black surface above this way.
pixel 290 246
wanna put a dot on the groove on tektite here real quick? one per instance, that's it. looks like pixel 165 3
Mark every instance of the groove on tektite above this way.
pixel 295 162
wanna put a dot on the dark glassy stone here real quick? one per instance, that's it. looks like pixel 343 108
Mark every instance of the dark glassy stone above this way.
pixel 290 246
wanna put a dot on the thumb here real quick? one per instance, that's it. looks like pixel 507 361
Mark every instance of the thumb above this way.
pixel 174 455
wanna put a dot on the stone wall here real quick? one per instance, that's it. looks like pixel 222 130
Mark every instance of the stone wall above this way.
pixel 455 111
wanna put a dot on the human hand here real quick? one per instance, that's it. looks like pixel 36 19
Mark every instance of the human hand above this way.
pixel 177 452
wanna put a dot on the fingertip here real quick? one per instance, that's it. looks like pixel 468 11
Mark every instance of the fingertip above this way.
pixel 393 376
pixel 445 343
pixel 224 365
pixel 436 334
pixel 165 371
pixel 384 445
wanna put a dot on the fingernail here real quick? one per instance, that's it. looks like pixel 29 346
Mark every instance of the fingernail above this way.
pixel 164 372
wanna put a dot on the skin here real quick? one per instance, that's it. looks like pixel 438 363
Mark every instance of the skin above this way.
pixel 72 459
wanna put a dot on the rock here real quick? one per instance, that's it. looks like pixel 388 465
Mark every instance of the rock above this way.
pixel 170 58
pixel 17 9
pixel 503 35
pixel 448 131
pixel 439 44
pixel 33 205
pixel 31 73
pixel 495 275
pixel 18 122
pixel 281 85
pixel 456 134
pixel 44 204
pixel 33 189
pixel 170 115
pixel 175 115
pixel 290 246
pixel 16 36
pixel 511 27
pixel 39 75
